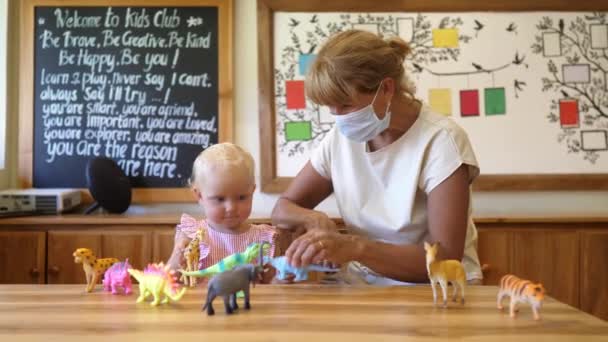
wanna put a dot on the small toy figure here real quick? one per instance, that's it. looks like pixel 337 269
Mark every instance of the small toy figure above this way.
pixel 228 283
pixel 93 267
pixel 301 273
pixel 191 254
pixel 117 277
pixel 231 261
pixel 442 272
pixel 157 280
pixel 520 291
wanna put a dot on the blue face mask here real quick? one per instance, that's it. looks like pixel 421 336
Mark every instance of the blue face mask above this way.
pixel 363 125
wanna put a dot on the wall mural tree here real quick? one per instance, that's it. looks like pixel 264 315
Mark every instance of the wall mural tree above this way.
pixel 577 66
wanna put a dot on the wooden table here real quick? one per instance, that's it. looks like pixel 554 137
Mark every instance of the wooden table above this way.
pixel 284 313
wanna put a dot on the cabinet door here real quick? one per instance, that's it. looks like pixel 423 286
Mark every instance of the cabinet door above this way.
pixel 550 257
pixel 594 278
pixel 163 244
pixel 22 257
pixel 135 245
pixel 495 249
pixel 61 268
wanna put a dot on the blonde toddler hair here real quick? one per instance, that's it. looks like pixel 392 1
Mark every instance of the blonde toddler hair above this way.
pixel 223 155
pixel 356 61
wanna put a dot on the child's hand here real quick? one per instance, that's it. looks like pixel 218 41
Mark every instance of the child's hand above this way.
pixel 177 261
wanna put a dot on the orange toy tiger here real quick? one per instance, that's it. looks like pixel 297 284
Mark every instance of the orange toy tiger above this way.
pixel 520 291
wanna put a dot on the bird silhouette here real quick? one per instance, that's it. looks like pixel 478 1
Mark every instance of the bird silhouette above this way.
pixel 293 22
pixel 518 85
pixel 561 26
pixel 477 66
pixel 519 60
pixel 417 67
pixel 592 17
pixel 314 19
pixel 478 26
pixel 512 28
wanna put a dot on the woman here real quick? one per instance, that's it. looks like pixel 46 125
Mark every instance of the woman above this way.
pixel 401 174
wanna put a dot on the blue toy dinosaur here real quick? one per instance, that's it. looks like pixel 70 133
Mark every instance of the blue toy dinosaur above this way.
pixel 301 273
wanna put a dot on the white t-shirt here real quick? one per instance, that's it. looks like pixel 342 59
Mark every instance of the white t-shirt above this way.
pixel 383 194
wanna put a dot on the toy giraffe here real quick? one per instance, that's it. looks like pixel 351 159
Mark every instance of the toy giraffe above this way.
pixel 93 267
pixel 442 272
pixel 192 254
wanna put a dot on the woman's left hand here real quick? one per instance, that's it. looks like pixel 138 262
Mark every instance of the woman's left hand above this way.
pixel 318 246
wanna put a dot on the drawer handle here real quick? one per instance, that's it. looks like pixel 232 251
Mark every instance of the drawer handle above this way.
pixel 34 272
pixel 54 270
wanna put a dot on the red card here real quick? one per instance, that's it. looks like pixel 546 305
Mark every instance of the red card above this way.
pixel 568 113
pixel 295 94
pixel 469 103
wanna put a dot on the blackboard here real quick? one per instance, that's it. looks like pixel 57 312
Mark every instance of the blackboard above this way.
pixel 138 82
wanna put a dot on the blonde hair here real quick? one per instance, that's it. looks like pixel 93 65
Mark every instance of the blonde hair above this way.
pixel 356 61
pixel 223 155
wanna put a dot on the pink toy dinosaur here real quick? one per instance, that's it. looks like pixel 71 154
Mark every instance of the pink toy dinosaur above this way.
pixel 117 276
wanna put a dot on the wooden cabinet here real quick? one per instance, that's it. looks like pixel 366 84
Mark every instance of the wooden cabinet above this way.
pixel 495 249
pixel 550 257
pixel 594 273
pixel 163 244
pixel 133 244
pixel 22 257
pixel 569 256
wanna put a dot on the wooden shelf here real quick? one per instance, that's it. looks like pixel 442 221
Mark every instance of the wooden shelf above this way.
pixel 173 218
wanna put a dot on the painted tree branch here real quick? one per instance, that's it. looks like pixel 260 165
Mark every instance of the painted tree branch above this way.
pixel 582 93
pixel 580 49
pixel 463 73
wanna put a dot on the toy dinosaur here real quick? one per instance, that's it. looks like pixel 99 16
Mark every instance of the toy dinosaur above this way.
pixel 520 291
pixel 93 267
pixel 228 283
pixel 231 261
pixel 191 255
pixel 301 273
pixel 157 280
pixel 443 272
pixel 117 277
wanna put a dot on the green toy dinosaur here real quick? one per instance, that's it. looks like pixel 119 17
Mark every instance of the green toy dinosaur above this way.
pixel 231 261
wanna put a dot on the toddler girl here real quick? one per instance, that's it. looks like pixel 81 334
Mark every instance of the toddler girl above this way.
pixel 223 182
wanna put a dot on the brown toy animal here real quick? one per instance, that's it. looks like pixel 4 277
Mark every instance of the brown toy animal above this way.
pixel 520 291
pixel 93 268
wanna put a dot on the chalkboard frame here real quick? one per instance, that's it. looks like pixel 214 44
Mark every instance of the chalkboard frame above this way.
pixel 26 86
pixel 272 183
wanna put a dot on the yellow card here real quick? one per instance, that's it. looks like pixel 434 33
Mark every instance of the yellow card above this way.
pixel 445 38
pixel 440 100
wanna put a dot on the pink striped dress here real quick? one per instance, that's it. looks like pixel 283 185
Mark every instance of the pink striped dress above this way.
pixel 217 245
